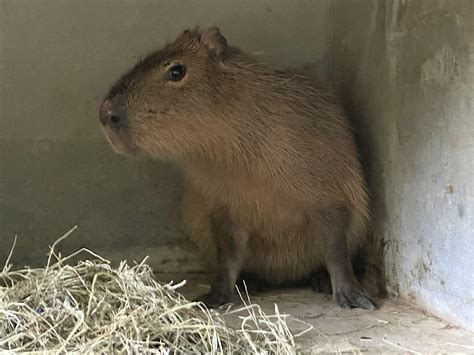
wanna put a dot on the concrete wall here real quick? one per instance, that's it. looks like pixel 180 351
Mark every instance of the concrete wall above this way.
pixel 407 71
pixel 405 68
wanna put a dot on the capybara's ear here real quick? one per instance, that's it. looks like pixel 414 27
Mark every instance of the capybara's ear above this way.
pixel 214 41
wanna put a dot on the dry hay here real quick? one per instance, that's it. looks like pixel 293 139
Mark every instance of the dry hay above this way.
pixel 93 307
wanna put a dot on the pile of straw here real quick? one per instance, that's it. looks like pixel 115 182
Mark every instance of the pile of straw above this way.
pixel 93 307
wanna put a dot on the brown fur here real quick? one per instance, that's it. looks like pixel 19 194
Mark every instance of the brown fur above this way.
pixel 271 149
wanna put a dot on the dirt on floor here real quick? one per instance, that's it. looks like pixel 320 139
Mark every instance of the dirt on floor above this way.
pixel 396 327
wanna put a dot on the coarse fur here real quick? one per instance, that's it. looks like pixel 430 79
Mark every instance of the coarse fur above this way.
pixel 274 185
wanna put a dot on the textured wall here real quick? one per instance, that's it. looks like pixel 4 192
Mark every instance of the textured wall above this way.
pixel 407 70
pixel 57 59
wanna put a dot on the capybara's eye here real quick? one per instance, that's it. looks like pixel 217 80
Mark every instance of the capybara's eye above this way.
pixel 176 72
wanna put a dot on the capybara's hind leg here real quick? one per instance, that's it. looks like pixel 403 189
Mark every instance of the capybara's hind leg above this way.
pixel 346 289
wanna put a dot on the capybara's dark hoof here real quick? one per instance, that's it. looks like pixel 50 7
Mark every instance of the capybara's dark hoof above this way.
pixel 213 300
pixel 351 297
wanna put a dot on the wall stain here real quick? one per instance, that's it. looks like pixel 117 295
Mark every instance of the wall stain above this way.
pixel 420 270
pixel 449 189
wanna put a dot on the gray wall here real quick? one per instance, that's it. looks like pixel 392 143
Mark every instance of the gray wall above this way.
pixel 407 71
pixel 404 67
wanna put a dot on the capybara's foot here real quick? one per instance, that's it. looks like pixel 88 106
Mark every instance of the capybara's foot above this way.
pixel 213 299
pixel 349 297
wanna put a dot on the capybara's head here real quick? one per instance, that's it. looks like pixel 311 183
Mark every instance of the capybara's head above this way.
pixel 170 102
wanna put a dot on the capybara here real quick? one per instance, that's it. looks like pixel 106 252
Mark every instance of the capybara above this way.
pixel 274 185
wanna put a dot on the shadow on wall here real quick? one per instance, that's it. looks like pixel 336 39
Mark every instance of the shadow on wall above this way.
pixel 371 260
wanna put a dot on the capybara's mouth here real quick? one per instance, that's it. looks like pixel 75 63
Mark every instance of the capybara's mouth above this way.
pixel 118 141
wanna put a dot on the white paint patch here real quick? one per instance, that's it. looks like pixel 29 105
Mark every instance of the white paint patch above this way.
pixel 396 31
pixel 441 67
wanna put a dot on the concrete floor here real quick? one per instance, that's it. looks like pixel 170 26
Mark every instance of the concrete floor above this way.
pixel 396 327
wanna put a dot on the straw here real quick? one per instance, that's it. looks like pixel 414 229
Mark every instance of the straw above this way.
pixel 94 307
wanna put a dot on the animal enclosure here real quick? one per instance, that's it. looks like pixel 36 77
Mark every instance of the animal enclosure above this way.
pixel 405 72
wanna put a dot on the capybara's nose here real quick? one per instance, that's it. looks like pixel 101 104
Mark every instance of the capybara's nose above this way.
pixel 108 116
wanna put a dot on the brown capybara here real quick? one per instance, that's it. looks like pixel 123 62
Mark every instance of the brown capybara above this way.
pixel 274 185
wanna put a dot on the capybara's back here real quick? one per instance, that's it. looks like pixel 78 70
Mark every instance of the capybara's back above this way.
pixel 274 186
